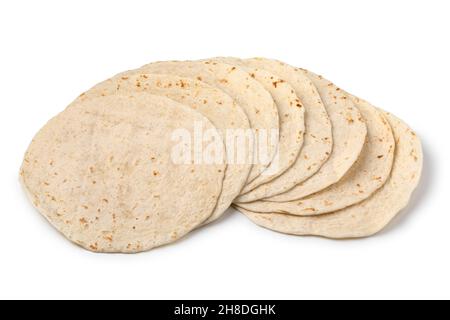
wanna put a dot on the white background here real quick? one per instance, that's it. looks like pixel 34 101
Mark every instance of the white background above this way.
pixel 393 53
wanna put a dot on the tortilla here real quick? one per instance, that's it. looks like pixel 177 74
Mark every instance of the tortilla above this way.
pixel 103 175
pixel 292 121
pixel 372 215
pixel 213 103
pixel 367 175
pixel 349 135
pixel 246 91
pixel 318 139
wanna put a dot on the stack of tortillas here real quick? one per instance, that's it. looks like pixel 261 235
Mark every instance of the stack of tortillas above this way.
pixel 145 157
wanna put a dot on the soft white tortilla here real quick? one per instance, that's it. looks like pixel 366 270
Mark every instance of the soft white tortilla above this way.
pixel 292 121
pixel 213 103
pixel 372 215
pixel 349 135
pixel 366 176
pixel 318 139
pixel 103 175
pixel 246 91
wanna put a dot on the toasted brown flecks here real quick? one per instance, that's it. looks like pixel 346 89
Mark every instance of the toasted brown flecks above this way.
pixel 275 83
pixel 155 173
pixel 380 157
pixel 105 200
pixel 413 154
pixel 223 81
pixel 83 221
pixel 94 246
pixel 125 78
pixel 310 209
pixel 85 207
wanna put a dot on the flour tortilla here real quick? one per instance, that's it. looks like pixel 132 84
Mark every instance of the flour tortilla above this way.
pixel 246 91
pixel 292 121
pixel 367 176
pixel 213 103
pixel 349 135
pixel 102 174
pixel 318 139
pixel 372 215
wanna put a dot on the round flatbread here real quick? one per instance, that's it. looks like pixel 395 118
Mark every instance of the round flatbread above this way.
pixel 103 173
pixel 367 175
pixel 213 103
pixel 318 139
pixel 349 135
pixel 292 121
pixel 372 215
pixel 246 91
